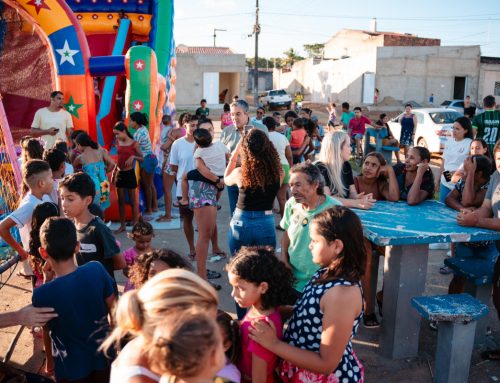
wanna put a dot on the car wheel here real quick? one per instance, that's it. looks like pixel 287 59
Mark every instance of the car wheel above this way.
pixel 421 142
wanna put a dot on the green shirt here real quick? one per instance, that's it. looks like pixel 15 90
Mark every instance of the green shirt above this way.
pixel 346 117
pixel 488 126
pixel 202 112
pixel 296 222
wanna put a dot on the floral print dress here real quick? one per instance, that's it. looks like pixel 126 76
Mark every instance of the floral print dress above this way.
pixel 97 171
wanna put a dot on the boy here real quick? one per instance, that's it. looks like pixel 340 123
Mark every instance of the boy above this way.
pixel 97 242
pixel 57 162
pixel 356 129
pixel 82 298
pixel 202 111
pixel 63 147
pixel 346 115
pixel 38 177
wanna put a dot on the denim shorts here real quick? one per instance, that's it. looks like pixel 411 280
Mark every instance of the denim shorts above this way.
pixel 149 163
pixel 357 135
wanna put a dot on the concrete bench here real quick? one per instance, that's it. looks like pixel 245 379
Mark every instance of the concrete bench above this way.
pixel 378 135
pixel 478 275
pixel 457 315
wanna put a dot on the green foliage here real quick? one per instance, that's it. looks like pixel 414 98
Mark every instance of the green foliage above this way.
pixel 314 50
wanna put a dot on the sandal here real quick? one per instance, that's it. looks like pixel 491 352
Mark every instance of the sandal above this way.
pixel 491 355
pixel 220 254
pixel 216 286
pixel 192 256
pixel 212 274
pixel 445 270
pixel 371 321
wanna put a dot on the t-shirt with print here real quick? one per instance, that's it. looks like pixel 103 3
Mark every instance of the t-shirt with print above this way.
pixel 97 243
pixel 214 157
pixel 45 119
pixel 141 135
pixel 346 118
pixel 182 156
pixel 454 154
pixel 280 143
pixel 488 126
pixel 296 222
pixel 23 214
pixel 249 347
pixel 493 194
pixel 79 300
pixel 427 182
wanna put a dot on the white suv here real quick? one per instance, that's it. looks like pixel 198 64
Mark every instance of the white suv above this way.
pixel 276 97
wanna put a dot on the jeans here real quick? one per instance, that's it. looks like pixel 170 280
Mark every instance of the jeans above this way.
pixel 250 228
pixel 443 192
pixel 232 193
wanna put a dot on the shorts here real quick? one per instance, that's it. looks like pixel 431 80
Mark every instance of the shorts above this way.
pixel 357 135
pixel 202 194
pixel 286 169
pixel 149 163
pixel 195 175
pixel 168 170
pixel 486 253
pixel 184 211
pixel 126 179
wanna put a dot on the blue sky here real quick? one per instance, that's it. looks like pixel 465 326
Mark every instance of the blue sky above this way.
pixel 291 23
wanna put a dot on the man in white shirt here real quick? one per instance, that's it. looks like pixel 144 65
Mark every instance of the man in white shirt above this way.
pixel 52 122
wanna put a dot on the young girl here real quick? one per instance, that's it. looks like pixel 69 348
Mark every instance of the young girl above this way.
pixel 298 138
pixel 332 114
pixel 225 118
pixel 478 146
pixel 377 178
pixel 317 343
pixel 415 178
pixel 147 265
pixel 95 162
pixel 142 234
pixel 260 284
pixel 73 151
pixel 286 129
pixel 138 122
pixel 230 331
pixel 454 154
pixel 123 175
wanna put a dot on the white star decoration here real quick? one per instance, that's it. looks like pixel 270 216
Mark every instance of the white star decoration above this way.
pixel 137 106
pixel 67 54
pixel 71 108
pixel 139 65
pixel 38 2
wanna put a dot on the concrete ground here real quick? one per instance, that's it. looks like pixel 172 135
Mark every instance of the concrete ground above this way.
pixel 28 352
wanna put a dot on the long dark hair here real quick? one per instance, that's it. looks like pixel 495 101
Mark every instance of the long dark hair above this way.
pixel 83 139
pixel 342 223
pixel 140 118
pixel 465 123
pixel 231 333
pixel 121 127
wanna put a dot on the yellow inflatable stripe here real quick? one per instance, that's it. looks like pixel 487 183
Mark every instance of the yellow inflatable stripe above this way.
pixel 47 13
pixel 100 22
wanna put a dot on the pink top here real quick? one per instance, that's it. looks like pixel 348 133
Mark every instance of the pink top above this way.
pixel 357 125
pixel 225 119
pixel 130 256
pixel 297 138
pixel 249 347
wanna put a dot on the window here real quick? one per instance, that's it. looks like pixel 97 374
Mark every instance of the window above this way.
pixel 496 92
pixel 445 117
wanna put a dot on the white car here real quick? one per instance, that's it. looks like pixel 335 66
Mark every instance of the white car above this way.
pixel 433 129
pixel 277 97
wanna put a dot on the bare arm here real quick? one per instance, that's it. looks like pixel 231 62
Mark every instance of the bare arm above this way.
pixel 27 316
pixel 390 191
pixel 457 176
pixel 452 200
pixel 232 174
pixel 285 243
pixel 36 132
pixel 108 161
pixel 288 155
pixel 119 262
pixel 259 370
pixel 5 234
pixel 416 195
pixel 205 171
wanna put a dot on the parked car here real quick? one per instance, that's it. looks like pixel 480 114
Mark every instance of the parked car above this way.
pixel 433 128
pixel 275 98
pixel 458 105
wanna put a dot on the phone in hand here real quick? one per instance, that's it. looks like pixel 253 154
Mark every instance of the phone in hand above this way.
pixel 447 175
pixel 56 130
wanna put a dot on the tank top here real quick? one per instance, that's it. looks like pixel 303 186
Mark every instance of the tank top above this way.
pixel 407 123
pixel 257 199
pixel 124 153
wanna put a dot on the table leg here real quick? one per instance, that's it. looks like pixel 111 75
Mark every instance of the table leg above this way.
pixel 405 272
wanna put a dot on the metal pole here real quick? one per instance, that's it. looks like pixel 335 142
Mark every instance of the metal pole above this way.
pixel 256 64
pixel 214 37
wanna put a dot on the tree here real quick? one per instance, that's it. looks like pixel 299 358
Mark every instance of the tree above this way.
pixel 273 62
pixel 314 50
pixel 291 56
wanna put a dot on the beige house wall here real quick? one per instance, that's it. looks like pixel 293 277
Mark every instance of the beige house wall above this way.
pixel 489 74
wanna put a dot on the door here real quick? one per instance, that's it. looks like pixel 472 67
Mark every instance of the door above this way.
pixel 459 88
pixel 368 88
pixel 211 87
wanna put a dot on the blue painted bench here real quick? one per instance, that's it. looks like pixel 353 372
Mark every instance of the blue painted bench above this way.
pixel 478 275
pixel 457 315
pixel 378 135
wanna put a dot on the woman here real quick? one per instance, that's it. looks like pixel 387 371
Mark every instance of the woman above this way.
pixel 289 118
pixel 282 146
pixel 408 123
pixel 138 122
pixel 258 179
pixel 335 168
pixel 139 312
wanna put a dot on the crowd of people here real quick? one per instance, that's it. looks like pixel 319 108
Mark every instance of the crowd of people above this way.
pixel 297 311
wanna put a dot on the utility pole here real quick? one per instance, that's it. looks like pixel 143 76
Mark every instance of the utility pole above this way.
pixel 256 31
pixel 215 33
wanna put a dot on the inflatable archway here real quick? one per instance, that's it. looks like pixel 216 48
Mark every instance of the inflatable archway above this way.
pixel 70 55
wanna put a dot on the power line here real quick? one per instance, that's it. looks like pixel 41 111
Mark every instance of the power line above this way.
pixel 213 16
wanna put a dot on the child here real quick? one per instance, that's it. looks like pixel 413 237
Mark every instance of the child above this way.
pixel 96 162
pixel 123 175
pixel 327 316
pixel 63 147
pixel 37 178
pixel 298 138
pixel 147 265
pixel 142 234
pixel 57 162
pixel 346 116
pixel 261 283
pixel 377 178
pixel 96 239
pixel 478 146
pixel 356 129
pixel 82 297
pixel 40 214
pixel 73 151
pixel 230 331
pixel 202 111
pixel 210 162
pixel 31 149
pixel 332 114
pixel 225 118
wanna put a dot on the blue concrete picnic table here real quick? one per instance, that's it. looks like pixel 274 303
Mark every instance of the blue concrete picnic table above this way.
pixel 408 231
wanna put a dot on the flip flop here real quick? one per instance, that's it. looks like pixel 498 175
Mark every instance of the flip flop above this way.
pixel 165 219
pixel 221 254
pixel 212 274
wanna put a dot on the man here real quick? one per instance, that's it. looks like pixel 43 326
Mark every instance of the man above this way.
pixel 259 115
pixel 232 134
pixel 487 124
pixel 202 111
pixel 52 122
pixel 277 118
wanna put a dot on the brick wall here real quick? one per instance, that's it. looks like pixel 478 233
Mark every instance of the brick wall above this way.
pixel 404 41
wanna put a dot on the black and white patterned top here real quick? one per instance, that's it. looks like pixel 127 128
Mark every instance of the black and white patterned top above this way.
pixel 306 324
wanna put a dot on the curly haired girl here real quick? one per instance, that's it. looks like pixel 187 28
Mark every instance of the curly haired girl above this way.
pixel 260 284
pixel 142 234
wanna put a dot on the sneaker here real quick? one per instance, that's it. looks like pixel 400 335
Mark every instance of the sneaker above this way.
pixel 439 246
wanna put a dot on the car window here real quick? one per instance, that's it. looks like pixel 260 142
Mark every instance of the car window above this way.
pixel 446 103
pixel 460 104
pixel 280 92
pixel 444 117
pixel 420 117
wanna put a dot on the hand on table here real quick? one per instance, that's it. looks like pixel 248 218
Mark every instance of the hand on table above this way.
pixel 467 218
